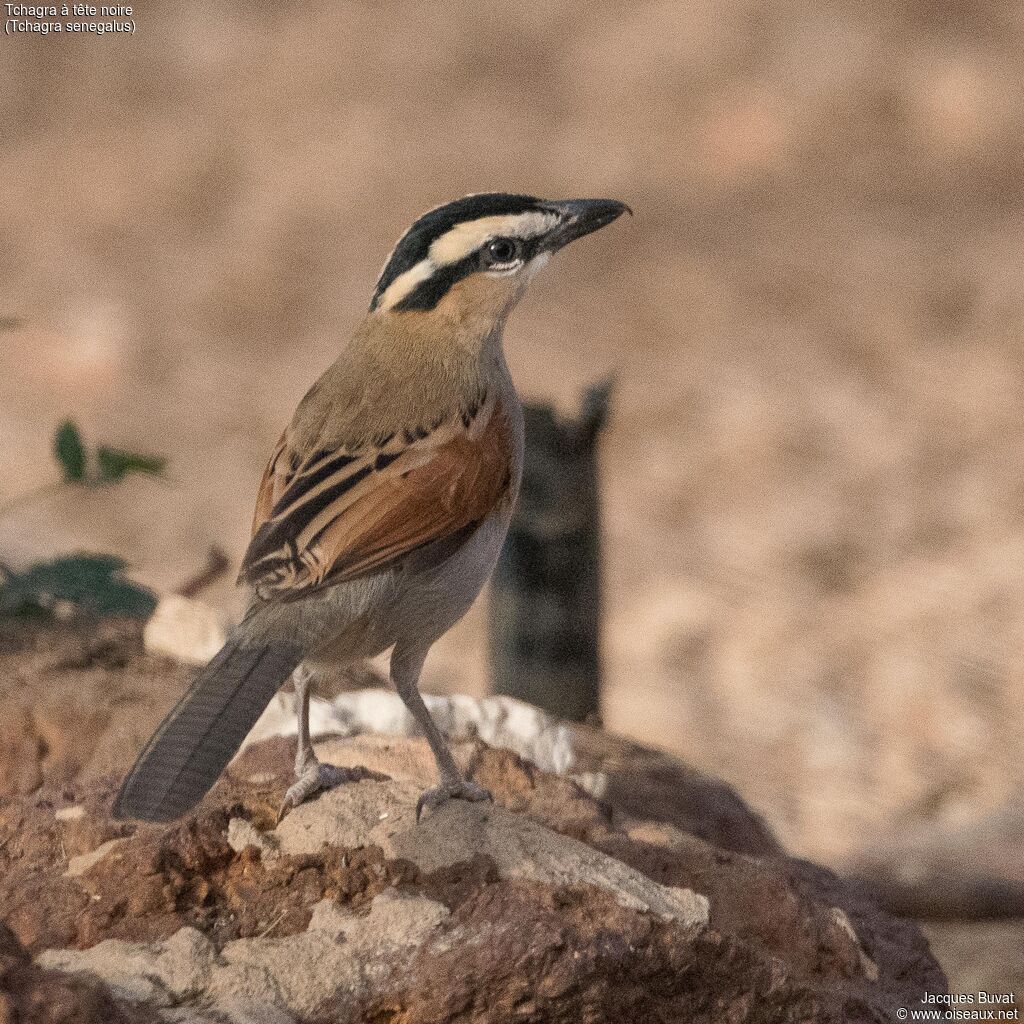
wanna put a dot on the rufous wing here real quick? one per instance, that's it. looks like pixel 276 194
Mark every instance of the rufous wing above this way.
pixel 273 485
pixel 343 514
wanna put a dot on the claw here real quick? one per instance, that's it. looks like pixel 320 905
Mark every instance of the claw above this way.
pixel 459 789
pixel 313 779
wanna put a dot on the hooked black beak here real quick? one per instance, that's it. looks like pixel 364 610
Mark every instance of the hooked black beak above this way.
pixel 581 217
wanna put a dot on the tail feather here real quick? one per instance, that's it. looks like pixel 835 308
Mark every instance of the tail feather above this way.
pixel 202 733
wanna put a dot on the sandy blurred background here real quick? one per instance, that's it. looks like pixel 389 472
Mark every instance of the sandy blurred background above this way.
pixel 814 473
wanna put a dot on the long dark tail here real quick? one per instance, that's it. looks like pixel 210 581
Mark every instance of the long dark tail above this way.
pixel 196 740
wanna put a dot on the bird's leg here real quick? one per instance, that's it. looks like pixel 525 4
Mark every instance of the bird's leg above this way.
pixel 405 673
pixel 311 775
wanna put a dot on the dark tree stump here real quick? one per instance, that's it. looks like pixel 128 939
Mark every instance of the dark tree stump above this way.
pixel 545 609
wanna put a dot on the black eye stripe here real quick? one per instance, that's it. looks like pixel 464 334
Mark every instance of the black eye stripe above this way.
pixel 429 293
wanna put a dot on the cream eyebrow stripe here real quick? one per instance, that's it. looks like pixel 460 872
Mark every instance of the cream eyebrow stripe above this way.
pixel 405 283
pixel 459 242
pixel 464 238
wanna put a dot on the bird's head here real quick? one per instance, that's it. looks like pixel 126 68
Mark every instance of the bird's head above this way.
pixel 472 258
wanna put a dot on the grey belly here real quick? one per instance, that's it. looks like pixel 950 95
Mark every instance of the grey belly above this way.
pixel 412 605
pixel 437 596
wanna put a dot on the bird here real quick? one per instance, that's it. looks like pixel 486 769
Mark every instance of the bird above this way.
pixel 385 503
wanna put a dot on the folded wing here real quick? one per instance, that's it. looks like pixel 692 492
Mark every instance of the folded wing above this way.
pixel 337 514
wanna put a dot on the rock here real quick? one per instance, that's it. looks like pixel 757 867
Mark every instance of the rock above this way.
pixel 80 864
pixel 243 834
pixel 643 890
pixel 635 780
pixel 498 721
pixel 383 814
pixel 649 785
pixel 868 967
pixel 80 705
pixel 30 993
pixel 543 906
pixel 185 629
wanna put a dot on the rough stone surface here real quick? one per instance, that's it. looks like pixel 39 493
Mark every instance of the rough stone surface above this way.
pixel 80 703
pixel 383 814
pixel 664 899
pixel 33 995
pixel 80 864
pixel 340 955
pixel 633 779
pixel 542 906
pixel 497 720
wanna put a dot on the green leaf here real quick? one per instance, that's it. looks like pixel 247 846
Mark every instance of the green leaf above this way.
pixel 70 452
pixel 116 464
pixel 94 583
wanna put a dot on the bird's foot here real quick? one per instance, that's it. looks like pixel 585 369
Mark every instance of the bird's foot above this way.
pixel 455 789
pixel 315 777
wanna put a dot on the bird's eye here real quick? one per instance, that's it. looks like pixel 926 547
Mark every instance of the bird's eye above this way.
pixel 502 251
